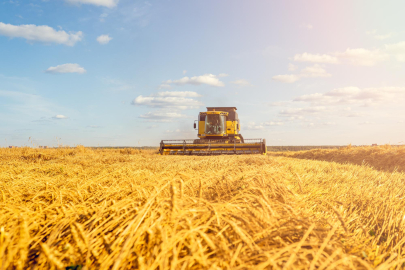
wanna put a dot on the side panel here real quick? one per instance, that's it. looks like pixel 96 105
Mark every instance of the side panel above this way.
pixel 201 127
pixel 231 127
pixel 201 124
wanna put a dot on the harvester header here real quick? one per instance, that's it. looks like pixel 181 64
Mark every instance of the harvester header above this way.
pixel 218 133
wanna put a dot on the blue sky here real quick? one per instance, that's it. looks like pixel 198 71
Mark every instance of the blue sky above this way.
pixel 130 73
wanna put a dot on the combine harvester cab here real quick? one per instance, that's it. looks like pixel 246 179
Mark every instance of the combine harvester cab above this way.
pixel 218 133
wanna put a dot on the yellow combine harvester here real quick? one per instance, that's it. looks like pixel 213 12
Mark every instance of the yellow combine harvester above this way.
pixel 218 132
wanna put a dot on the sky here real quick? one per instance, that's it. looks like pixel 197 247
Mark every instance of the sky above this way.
pixel 132 73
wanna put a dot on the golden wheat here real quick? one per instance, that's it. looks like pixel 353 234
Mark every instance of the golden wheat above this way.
pixel 132 209
pixel 384 157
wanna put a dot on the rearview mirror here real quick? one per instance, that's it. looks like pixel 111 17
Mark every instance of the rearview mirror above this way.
pixel 195 125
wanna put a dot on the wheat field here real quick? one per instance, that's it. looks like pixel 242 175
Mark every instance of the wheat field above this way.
pixel 128 209
pixel 384 157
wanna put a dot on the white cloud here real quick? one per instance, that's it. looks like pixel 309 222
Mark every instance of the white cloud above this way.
pixel 117 85
pixel 66 68
pixel 355 95
pixel 294 117
pixel 273 123
pixel 161 116
pixel 307 26
pixel 314 71
pixel 28 103
pixel 184 72
pixel 223 75
pixel 363 57
pixel 316 58
pixel 345 91
pixel 374 34
pixel 175 100
pixel 286 78
pixel 292 67
pixel 308 72
pixel 241 82
pixel 103 16
pixel 103 3
pixel 311 97
pixel 165 86
pixel 41 33
pixel 355 114
pixel 104 39
pixel 366 123
pixel 381 37
pixel 300 111
pixel 60 116
pixel 173 131
pixel 178 94
pixel 208 79
pixel 397 49
pixel 279 103
pixel 253 126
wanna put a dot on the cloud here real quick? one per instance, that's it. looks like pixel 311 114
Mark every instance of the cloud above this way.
pixel 316 58
pixel 366 123
pixel 223 75
pixel 300 111
pixel 363 57
pixel 241 82
pixel 184 72
pixel 355 95
pixel 178 94
pixel 286 78
pixel 253 126
pixel 117 85
pixel 66 68
pixel 374 34
pixel 28 104
pixel 42 33
pixel 103 3
pixel 104 39
pixel 164 86
pixel 173 131
pixel 397 49
pixel 162 116
pixel 308 72
pixel 357 56
pixel 307 26
pixel 60 116
pixel 273 123
pixel 176 100
pixel 314 72
pixel 208 79
pixel 103 16
pixel 292 67
pixel 355 114
pixel 279 103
